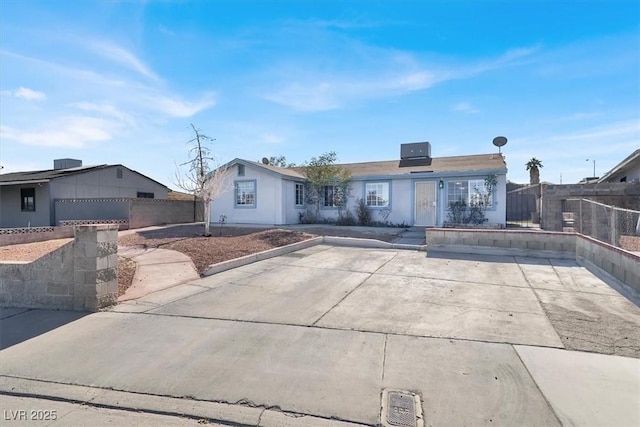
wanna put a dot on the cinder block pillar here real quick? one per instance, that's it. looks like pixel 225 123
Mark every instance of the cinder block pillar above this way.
pixel 95 256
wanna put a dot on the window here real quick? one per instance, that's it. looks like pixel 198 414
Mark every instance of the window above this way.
pixel 299 194
pixel 246 193
pixel 377 194
pixel 28 198
pixel 333 196
pixel 119 173
pixel 142 195
pixel 240 170
pixel 472 192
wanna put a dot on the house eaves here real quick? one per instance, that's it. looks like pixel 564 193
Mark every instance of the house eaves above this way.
pixel 620 166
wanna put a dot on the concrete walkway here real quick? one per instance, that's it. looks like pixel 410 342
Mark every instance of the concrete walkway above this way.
pixel 156 269
pixel 312 338
pixel 412 236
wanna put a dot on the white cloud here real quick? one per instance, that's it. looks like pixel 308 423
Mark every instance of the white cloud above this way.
pixel 604 134
pixel 69 131
pixel 123 56
pixel 464 107
pixel 179 108
pixel 390 73
pixel 105 109
pixel 29 94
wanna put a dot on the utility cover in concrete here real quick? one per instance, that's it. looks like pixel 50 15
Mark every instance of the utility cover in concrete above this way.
pixel 402 409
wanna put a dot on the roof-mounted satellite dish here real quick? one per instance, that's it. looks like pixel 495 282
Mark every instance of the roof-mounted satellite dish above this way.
pixel 499 141
pixel 265 161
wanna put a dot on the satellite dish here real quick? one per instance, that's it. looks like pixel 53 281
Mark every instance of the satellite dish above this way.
pixel 499 141
pixel 265 161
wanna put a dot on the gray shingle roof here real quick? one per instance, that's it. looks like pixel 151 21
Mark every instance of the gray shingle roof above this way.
pixel 46 175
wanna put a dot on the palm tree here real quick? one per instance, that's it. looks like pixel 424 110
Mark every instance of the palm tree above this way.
pixel 533 166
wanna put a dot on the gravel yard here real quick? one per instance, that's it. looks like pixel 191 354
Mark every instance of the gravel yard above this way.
pixel 205 251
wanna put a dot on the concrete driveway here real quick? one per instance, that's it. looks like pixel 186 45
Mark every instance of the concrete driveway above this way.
pixel 316 335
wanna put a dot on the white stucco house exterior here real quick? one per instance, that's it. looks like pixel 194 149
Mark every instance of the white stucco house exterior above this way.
pixel 414 190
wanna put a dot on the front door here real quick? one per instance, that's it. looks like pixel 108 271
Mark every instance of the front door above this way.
pixel 425 203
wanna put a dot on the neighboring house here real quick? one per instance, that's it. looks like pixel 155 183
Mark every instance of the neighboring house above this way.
pixel 28 198
pixel 627 170
pixel 414 190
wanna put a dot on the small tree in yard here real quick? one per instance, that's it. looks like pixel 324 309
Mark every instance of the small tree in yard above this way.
pixel 321 171
pixel 198 178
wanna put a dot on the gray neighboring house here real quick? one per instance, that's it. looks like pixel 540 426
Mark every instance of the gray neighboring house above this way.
pixel 27 199
pixel 415 189
pixel 627 170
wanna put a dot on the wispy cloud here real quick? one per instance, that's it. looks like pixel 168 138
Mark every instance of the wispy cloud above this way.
pixel 29 94
pixel 464 107
pixel 105 109
pixel 604 133
pixel 124 57
pixel 70 131
pixel 175 107
pixel 392 73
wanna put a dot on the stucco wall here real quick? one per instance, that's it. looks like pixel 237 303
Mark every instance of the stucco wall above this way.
pixel 403 200
pixel 104 183
pixel 291 211
pixel 10 205
pixel 268 207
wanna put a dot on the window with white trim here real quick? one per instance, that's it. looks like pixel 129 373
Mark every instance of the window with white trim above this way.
pixel 473 192
pixel 333 196
pixel 246 193
pixel 377 194
pixel 299 194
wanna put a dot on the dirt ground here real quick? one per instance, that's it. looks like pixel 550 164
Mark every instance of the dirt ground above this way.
pixel 205 251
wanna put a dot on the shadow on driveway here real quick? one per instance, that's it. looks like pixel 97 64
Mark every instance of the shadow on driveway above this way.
pixel 21 324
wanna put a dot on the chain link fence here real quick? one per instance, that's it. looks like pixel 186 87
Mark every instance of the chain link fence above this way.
pixel 616 226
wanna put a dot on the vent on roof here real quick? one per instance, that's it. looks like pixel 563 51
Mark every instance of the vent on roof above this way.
pixel 66 163
pixel 415 154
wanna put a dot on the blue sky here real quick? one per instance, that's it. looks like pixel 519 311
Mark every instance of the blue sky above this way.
pixel 121 81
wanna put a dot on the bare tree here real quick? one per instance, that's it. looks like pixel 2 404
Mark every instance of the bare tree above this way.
pixel 198 178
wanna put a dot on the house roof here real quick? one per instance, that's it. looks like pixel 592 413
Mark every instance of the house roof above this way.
pixel 47 175
pixel 478 162
pixel 627 162
pixel 390 168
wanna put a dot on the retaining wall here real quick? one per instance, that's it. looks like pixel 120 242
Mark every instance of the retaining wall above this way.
pixel 622 265
pixel 14 236
pixel 81 275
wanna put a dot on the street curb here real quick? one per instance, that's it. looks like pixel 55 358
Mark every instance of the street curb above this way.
pixel 329 240
pixel 227 413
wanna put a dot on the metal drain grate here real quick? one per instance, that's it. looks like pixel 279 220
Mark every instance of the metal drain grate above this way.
pixel 401 409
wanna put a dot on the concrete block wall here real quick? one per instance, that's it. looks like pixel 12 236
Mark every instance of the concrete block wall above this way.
pixel 621 194
pixel 503 242
pixel 147 212
pixel 619 263
pixel 81 275
pixel 14 236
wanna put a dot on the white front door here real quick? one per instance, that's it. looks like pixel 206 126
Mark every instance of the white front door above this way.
pixel 425 203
